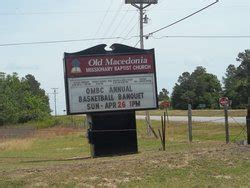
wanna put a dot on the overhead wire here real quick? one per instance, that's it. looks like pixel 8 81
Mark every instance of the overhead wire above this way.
pixel 120 22
pixel 59 12
pixel 202 36
pixel 127 25
pixel 110 38
pixel 103 19
pixel 182 19
pixel 195 8
pixel 99 11
pixel 113 20
pixel 136 43
pixel 64 41
pixel 132 28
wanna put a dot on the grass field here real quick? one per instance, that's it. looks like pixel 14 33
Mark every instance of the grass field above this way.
pixel 59 156
pixel 206 113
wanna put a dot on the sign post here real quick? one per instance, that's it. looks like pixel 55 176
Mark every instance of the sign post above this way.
pixel 226 123
pixel 224 101
pixel 109 86
pixel 248 121
pixel 190 135
pixel 165 105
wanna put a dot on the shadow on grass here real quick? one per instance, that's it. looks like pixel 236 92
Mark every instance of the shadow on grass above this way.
pixel 57 160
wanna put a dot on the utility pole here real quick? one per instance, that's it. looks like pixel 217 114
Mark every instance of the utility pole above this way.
pixel 141 26
pixel 248 121
pixel 248 91
pixel 141 5
pixel 55 93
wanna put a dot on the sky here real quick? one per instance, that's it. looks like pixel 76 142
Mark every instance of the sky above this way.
pixel 56 20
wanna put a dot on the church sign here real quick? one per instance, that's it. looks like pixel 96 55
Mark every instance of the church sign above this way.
pixel 110 81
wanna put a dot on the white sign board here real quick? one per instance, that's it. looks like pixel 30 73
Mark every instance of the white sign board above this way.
pixel 112 93
pixel 100 83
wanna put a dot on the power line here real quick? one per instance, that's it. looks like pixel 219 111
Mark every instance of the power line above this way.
pixel 127 24
pixel 64 41
pixel 100 11
pixel 103 19
pixel 118 38
pixel 123 38
pixel 113 20
pixel 194 8
pixel 132 28
pixel 59 12
pixel 120 22
pixel 137 43
pixel 202 36
pixel 190 15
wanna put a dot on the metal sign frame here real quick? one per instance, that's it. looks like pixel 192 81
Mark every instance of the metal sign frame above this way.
pixel 141 1
pixel 118 50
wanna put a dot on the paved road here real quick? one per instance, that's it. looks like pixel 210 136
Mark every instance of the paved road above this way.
pixel 199 119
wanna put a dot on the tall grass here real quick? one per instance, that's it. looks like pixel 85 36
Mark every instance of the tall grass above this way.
pixel 16 144
pixel 66 136
pixel 58 156
pixel 75 121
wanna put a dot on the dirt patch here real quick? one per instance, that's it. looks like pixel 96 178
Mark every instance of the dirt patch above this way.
pixel 110 171
pixel 16 132
pixel 223 176
pixel 16 144
pixel 57 131
pixel 31 132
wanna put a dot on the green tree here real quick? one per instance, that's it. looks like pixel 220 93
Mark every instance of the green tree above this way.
pixel 237 81
pixel 2 118
pixel 163 95
pixel 33 85
pixel 182 92
pixel 12 98
pixel 197 88
pixel 231 84
pixel 22 100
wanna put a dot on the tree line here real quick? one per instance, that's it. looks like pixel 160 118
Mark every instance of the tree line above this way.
pixel 203 90
pixel 22 99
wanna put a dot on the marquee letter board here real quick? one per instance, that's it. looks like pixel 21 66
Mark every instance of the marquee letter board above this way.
pixel 97 80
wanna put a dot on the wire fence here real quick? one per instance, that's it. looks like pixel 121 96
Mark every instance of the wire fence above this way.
pixel 69 150
pixel 72 127
pixel 237 127
pixel 243 130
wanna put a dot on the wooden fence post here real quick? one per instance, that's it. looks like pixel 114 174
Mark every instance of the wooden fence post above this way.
pixel 226 123
pixel 190 136
pixel 162 132
pixel 248 121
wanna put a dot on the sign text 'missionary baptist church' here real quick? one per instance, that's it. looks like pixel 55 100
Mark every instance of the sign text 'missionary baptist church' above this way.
pixel 100 83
